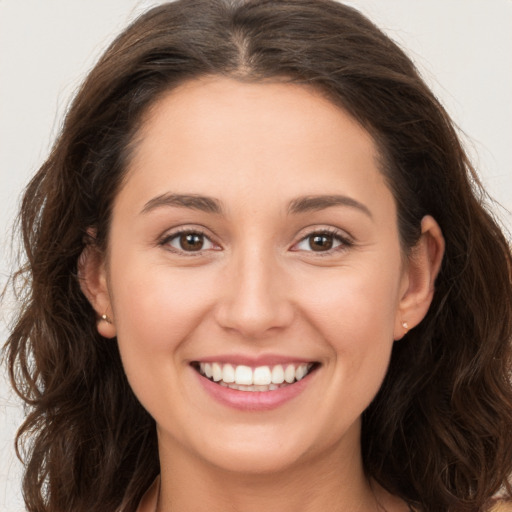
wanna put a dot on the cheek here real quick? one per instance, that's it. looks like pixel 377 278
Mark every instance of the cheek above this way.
pixel 353 310
pixel 158 306
pixel 157 309
pixel 353 302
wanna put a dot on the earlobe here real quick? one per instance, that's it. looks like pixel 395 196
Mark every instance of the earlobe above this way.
pixel 93 283
pixel 423 267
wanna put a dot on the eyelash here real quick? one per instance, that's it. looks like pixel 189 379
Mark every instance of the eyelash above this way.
pixel 344 242
pixel 186 231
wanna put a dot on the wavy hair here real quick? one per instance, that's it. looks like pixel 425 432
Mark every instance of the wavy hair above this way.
pixel 439 432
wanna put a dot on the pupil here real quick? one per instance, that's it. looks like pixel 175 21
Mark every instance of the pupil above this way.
pixel 191 242
pixel 321 242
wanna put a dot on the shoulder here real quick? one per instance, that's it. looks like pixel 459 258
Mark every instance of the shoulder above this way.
pixel 499 506
pixel 502 506
pixel 150 498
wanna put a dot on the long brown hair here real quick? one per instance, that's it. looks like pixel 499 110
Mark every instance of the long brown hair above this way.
pixel 439 432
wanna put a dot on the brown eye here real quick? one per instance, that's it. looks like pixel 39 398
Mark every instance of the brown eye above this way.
pixel 189 241
pixel 321 242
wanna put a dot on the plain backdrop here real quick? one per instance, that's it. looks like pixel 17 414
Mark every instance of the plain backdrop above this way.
pixel 462 47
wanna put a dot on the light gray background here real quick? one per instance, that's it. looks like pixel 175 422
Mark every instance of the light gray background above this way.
pixel 462 47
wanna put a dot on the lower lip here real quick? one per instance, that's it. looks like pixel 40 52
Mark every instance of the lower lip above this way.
pixel 254 400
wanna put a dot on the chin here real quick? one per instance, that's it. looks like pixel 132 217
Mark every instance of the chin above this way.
pixel 254 464
pixel 266 456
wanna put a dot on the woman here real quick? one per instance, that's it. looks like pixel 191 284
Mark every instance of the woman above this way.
pixel 261 277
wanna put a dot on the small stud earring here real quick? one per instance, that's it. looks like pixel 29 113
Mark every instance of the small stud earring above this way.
pixel 405 325
pixel 106 318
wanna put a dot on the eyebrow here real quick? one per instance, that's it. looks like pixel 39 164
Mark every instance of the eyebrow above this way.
pixel 192 201
pixel 210 205
pixel 321 202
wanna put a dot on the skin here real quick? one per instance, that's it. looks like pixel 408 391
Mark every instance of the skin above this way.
pixel 258 288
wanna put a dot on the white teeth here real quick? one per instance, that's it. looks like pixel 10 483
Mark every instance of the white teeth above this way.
pixel 216 372
pixel 289 373
pixel 261 378
pixel 277 374
pixel 301 371
pixel 228 373
pixel 243 375
pixel 270 387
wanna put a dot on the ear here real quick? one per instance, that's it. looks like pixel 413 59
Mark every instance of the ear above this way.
pixel 419 278
pixel 92 276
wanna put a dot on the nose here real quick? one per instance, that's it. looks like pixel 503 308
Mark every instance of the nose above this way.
pixel 256 300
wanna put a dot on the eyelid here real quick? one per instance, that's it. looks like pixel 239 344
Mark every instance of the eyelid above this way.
pixel 340 235
pixel 345 239
pixel 176 232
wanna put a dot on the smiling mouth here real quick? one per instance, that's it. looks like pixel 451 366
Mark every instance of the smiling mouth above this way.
pixel 260 378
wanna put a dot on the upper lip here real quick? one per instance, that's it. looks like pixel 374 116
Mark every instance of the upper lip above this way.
pixel 253 361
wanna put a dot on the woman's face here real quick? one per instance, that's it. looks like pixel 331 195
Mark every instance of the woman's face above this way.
pixel 254 239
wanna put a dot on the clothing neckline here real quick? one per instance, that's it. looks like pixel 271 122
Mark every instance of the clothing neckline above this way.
pixel 149 500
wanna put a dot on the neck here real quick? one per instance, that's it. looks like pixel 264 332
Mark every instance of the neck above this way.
pixel 333 481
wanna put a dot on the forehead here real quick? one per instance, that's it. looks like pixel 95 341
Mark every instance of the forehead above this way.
pixel 225 137
pixel 205 106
